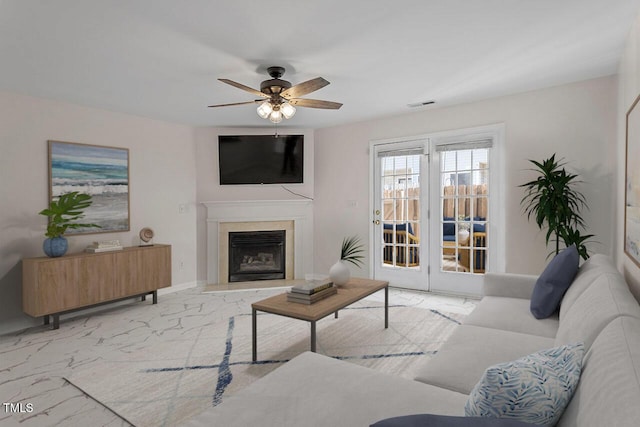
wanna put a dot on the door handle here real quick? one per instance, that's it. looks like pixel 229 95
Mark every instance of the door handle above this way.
pixel 376 222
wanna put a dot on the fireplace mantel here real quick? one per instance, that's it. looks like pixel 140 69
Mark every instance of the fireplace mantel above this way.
pixel 298 211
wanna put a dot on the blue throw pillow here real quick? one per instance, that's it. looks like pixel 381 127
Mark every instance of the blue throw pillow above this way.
pixel 479 228
pixel 430 420
pixel 448 228
pixel 554 282
pixel 535 388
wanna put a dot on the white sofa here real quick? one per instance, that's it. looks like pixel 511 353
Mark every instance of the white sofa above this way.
pixel 598 309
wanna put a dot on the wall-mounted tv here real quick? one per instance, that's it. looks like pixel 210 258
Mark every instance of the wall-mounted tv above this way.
pixel 261 159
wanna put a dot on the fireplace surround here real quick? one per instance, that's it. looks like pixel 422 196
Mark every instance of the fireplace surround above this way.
pixel 294 216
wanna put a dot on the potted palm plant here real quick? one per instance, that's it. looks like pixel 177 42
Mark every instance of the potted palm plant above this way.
pixel 351 251
pixel 555 204
pixel 63 214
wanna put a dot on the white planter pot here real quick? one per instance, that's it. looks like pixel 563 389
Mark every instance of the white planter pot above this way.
pixel 339 273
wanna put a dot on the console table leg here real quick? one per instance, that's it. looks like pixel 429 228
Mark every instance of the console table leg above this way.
pixel 336 314
pixel 56 321
pixel 313 337
pixel 254 335
pixel 143 297
pixel 386 307
pixel 155 297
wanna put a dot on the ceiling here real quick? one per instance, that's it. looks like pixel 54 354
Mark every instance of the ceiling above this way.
pixel 162 58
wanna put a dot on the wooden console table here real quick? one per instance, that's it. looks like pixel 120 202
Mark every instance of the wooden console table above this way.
pixel 55 286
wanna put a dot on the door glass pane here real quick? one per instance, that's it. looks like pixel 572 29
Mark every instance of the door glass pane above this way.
pixel 400 211
pixel 464 197
pixel 448 161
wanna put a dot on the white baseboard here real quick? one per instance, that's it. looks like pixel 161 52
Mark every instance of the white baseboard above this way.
pixel 179 287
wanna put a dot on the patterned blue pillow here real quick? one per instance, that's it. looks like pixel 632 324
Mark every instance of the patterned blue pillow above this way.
pixel 535 388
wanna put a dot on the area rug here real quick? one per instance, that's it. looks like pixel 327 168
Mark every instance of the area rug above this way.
pixel 165 384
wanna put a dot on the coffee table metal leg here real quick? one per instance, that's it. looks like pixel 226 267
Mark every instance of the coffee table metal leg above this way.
pixel 254 334
pixel 313 337
pixel 386 307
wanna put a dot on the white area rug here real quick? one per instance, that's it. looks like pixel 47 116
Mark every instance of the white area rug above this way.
pixel 166 383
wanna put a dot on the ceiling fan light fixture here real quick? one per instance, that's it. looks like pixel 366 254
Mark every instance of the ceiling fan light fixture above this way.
pixel 287 110
pixel 265 109
pixel 275 116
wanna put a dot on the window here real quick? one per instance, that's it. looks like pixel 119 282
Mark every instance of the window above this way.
pixel 464 206
pixel 400 209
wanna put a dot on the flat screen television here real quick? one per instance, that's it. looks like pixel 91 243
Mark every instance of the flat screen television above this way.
pixel 261 159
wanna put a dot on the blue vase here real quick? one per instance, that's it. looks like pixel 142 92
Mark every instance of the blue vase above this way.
pixel 55 247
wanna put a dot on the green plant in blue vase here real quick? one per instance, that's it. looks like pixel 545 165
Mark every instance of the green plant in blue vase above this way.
pixel 63 214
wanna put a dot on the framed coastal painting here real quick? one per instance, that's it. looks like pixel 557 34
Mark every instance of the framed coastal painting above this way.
pixel 102 172
pixel 632 185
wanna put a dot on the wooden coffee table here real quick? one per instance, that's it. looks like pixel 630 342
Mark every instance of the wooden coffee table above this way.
pixel 352 292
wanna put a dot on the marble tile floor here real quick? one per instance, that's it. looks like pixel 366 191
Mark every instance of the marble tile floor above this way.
pixel 34 362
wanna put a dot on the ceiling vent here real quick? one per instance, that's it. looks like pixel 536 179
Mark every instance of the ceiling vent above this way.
pixel 420 104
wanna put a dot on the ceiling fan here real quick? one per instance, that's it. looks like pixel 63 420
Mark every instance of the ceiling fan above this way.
pixel 278 97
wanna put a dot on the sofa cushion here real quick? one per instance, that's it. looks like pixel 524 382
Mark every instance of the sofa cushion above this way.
pixel 464 357
pixel 535 388
pixel 609 388
pixel 607 298
pixel 554 282
pixel 430 420
pixel 315 390
pixel 589 271
pixel 448 228
pixel 511 314
pixel 508 285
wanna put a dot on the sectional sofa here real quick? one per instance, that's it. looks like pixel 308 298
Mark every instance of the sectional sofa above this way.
pixel 597 310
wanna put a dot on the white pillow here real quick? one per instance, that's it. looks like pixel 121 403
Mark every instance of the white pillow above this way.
pixel 535 388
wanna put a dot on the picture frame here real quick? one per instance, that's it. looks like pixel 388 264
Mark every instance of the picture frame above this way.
pixel 100 171
pixel 632 184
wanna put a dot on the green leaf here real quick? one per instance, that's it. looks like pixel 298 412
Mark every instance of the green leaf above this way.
pixel 64 213
pixel 351 250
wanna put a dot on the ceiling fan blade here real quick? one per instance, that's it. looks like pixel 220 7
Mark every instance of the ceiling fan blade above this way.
pixel 243 87
pixel 304 88
pixel 315 103
pixel 237 103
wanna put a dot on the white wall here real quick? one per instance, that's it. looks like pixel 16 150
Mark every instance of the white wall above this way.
pixel 174 164
pixel 208 179
pixel 162 176
pixel 576 121
pixel 628 90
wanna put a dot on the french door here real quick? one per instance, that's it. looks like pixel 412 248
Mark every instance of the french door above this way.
pixel 463 216
pixel 437 210
pixel 399 217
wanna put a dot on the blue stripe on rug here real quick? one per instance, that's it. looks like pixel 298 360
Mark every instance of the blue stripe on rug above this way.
pixel 224 371
pixel 275 361
pixel 445 316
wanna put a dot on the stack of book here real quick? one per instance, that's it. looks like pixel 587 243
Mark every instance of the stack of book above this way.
pixel 104 246
pixel 311 291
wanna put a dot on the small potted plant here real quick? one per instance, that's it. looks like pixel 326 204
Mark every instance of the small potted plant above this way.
pixel 63 214
pixel 352 249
